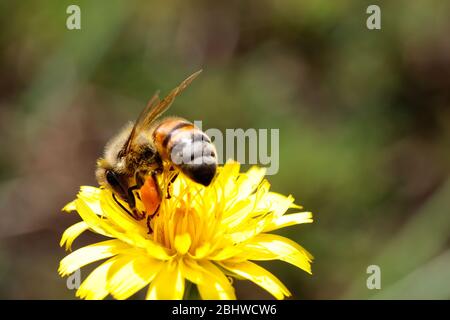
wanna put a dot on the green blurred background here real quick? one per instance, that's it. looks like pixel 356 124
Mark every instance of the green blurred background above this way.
pixel 364 119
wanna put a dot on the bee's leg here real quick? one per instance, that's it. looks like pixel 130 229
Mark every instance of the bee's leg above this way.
pixel 132 204
pixel 150 230
pixel 149 218
pixel 130 213
pixel 134 213
pixel 140 178
pixel 168 196
pixel 138 215
pixel 154 174
pixel 131 192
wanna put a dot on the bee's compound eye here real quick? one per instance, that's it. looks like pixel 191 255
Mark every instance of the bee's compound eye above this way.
pixel 111 177
pixel 115 182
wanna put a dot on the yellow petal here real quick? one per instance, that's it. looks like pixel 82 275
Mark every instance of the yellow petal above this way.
pixel 225 252
pixel 91 196
pixel 119 217
pixel 94 287
pixel 258 275
pixel 289 220
pixel 129 274
pixel 226 179
pixel 89 254
pixel 248 182
pixel 168 283
pixel 72 233
pixel 104 227
pixel 238 213
pixel 275 202
pixel 91 218
pixel 155 250
pixel 89 192
pixel 211 282
pixel 202 251
pixel 71 206
pixel 248 230
pixel 190 270
pixel 295 206
pixel 271 247
pixel 182 243
pixel 216 285
pixel 229 171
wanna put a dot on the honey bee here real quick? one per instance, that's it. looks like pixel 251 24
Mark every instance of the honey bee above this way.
pixel 135 156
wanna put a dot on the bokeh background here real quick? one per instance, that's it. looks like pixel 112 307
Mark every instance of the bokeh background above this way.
pixel 364 119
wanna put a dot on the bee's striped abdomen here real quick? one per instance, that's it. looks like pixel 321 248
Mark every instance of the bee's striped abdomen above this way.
pixel 165 131
pixel 187 147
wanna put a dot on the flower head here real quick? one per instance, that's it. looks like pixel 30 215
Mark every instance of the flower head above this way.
pixel 201 234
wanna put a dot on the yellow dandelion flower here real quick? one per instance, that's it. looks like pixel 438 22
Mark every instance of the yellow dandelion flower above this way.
pixel 201 234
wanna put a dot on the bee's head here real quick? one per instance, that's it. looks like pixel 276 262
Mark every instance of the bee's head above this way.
pixel 111 178
pixel 111 168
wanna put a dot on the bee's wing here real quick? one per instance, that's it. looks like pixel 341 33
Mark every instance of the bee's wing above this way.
pixel 137 125
pixel 154 112
pixel 154 109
